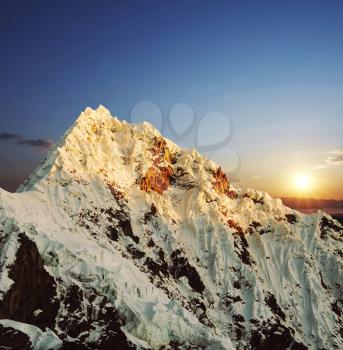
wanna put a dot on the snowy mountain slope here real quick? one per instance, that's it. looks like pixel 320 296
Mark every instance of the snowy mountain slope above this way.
pixel 120 240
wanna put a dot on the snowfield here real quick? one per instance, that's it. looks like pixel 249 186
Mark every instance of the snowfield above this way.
pixel 122 240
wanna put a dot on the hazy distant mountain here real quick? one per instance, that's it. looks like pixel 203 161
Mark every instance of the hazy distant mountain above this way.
pixel 122 240
pixel 311 203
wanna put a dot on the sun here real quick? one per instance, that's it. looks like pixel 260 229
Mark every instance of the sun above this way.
pixel 302 182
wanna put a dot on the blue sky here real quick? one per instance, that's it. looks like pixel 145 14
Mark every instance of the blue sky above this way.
pixel 274 67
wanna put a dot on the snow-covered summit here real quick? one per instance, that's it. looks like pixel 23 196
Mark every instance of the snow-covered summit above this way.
pixel 120 239
pixel 96 141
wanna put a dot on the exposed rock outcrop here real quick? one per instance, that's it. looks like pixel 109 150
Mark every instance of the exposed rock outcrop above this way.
pixel 33 289
pixel 221 183
pixel 156 179
pixel 12 339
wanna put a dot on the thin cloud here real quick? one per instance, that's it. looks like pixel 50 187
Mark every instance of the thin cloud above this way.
pixel 38 143
pixel 42 144
pixel 9 136
pixel 334 158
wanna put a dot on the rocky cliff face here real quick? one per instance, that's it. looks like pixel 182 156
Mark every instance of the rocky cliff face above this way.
pixel 122 240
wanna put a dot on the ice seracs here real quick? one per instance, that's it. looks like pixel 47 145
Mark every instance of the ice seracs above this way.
pixel 148 246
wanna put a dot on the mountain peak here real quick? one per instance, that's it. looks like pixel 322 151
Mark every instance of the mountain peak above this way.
pixel 99 114
pixel 122 239
pixel 95 144
pixel 80 137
